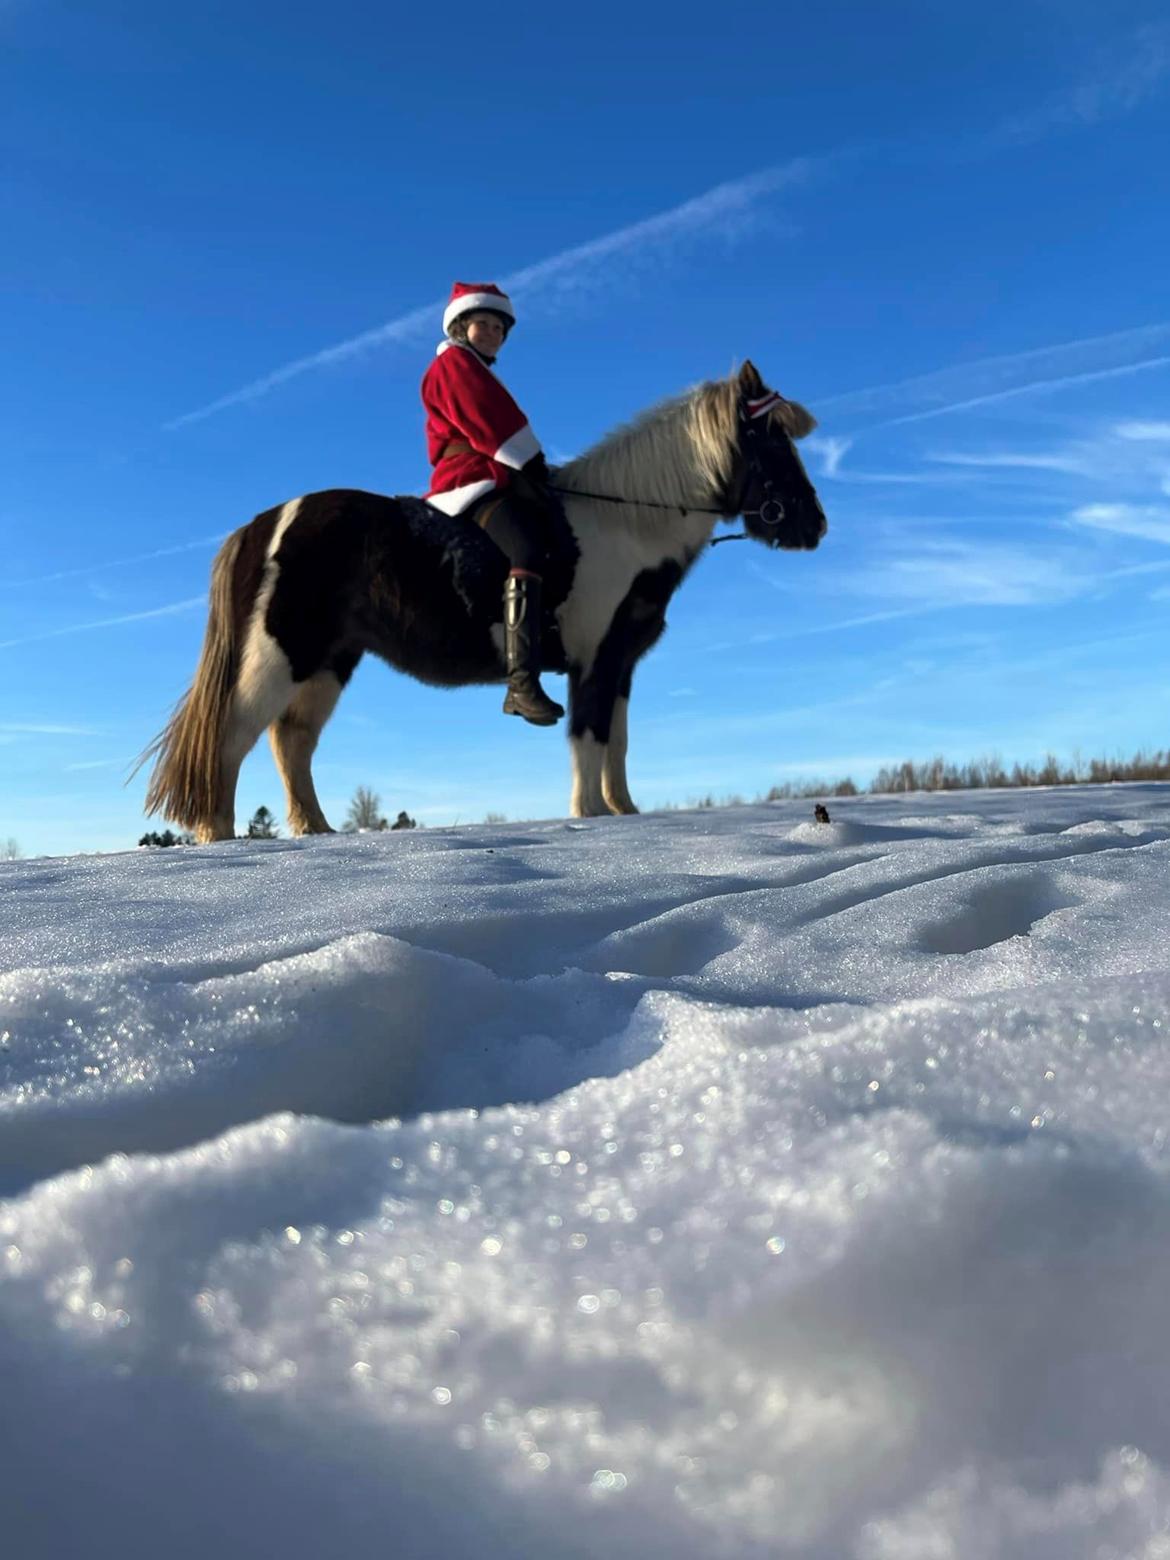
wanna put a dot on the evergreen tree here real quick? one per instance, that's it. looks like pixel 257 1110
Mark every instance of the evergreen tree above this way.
pixel 403 822
pixel 262 825
pixel 167 837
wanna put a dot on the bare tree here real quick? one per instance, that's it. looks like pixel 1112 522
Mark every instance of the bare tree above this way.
pixel 364 812
pixel 10 851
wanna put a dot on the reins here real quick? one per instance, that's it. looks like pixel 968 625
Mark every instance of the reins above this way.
pixel 648 503
pixel 638 503
pixel 770 512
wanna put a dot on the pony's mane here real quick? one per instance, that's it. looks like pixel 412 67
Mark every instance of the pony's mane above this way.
pixel 682 451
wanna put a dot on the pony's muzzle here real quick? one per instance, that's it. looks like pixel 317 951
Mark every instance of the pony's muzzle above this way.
pixel 804 532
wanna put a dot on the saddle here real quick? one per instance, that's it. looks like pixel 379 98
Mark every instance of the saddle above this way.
pixel 477 568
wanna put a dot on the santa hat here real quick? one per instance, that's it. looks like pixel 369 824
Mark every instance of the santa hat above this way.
pixel 466 296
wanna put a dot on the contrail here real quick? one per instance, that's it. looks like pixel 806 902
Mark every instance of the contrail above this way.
pixel 16 728
pixel 117 563
pixel 1123 84
pixel 730 205
pixel 999 378
pixel 130 617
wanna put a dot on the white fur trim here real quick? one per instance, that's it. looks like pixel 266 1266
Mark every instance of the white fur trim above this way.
pixel 519 449
pixel 445 346
pixel 470 301
pixel 455 500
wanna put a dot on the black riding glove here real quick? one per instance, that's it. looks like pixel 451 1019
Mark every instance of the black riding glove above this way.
pixel 537 472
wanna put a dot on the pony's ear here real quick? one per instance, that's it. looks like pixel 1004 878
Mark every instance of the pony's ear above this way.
pixel 749 380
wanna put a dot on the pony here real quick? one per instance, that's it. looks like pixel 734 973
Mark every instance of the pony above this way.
pixel 303 591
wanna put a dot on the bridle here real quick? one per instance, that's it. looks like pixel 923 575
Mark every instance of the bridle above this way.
pixel 771 511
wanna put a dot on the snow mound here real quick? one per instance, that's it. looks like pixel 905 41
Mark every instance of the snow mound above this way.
pixel 709 1184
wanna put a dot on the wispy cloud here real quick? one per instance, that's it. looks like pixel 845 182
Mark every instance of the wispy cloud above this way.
pixel 958 573
pixel 172 610
pixel 730 210
pixel 1144 432
pixel 989 380
pixel 839 764
pixel 1135 69
pixel 12 729
pixel 944 574
pixel 1125 462
pixel 1011 460
pixel 810 630
pixel 831 451
pixel 1148 521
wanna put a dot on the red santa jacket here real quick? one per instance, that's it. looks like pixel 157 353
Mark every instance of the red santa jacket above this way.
pixel 467 404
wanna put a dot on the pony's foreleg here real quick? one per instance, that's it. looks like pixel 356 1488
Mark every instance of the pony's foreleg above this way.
pixel 591 709
pixel 586 799
pixel 294 738
pixel 614 787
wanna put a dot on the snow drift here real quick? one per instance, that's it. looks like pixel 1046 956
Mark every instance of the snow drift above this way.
pixel 704 1184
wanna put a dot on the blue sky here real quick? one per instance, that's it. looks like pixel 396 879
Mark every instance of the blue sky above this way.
pixel 229 232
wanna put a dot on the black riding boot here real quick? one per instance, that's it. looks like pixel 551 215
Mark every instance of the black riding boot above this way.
pixel 522 622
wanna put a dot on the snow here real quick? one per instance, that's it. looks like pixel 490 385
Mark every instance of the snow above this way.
pixel 705 1184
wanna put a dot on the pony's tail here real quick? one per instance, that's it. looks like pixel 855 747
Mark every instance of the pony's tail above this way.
pixel 186 780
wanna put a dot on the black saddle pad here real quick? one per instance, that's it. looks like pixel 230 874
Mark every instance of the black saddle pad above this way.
pixel 477 566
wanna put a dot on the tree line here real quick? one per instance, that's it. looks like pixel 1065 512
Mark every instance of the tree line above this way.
pixel 937 774
pixel 933 774
pixel 365 814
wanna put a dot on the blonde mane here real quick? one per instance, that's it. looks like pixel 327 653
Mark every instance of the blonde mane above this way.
pixel 684 451
pixel 681 451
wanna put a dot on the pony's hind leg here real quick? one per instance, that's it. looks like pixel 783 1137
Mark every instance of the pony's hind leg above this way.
pixel 294 738
pixel 262 691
